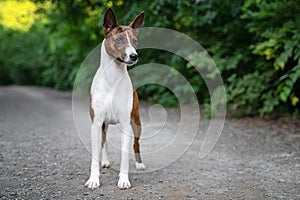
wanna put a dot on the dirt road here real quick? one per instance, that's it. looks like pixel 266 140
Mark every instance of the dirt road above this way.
pixel 42 157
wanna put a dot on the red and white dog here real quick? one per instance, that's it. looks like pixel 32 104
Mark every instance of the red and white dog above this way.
pixel 113 99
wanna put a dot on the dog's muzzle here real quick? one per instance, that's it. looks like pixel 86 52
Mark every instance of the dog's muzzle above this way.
pixel 133 57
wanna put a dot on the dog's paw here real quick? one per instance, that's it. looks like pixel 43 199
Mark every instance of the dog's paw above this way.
pixel 140 166
pixel 105 164
pixel 123 182
pixel 93 182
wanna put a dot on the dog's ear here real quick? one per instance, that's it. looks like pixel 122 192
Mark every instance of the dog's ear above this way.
pixel 138 21
pixel 109 21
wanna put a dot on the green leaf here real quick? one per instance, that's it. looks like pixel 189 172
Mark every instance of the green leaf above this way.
pixel 283 97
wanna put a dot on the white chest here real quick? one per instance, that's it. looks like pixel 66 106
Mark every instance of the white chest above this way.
pixel 111 91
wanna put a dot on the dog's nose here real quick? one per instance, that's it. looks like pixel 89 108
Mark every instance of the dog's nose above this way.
pixel 133 57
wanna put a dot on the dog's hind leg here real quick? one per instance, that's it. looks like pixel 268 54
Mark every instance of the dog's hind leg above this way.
pixel 105 162
pixel 137 130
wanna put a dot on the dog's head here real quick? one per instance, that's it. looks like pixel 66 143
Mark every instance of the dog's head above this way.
pixel 121 41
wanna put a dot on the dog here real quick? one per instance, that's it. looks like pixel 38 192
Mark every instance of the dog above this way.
pixel 113 99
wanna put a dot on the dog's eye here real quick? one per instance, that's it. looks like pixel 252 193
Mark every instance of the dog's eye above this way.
pixel 118 39
pixel 135 41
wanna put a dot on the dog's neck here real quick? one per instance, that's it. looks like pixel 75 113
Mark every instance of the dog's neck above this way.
pixel 110 71
pixel 110 67
pixel 107 61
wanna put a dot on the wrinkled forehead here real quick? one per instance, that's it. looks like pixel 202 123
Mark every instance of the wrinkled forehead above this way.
pixel 121 31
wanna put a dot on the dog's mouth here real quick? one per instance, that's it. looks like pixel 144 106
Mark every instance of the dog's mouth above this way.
pixel 127 63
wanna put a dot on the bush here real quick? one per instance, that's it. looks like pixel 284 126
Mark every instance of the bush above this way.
pixel 255 45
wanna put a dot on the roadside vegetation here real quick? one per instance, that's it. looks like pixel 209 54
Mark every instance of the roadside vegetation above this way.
pixel 255 45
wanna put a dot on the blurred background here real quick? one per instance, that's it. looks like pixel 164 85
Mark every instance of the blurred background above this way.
pixel 255 45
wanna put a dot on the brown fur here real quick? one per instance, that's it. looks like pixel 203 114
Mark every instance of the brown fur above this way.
pixel 116 42
pixel 91 110
pixel 104 128
pixel 136 126
pixel 115 36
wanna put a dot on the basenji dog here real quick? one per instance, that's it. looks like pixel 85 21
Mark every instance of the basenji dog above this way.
pixel 113 99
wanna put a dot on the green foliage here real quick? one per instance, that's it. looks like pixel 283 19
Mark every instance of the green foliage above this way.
pixel 254 43
pixel 51 51
pixel 276 27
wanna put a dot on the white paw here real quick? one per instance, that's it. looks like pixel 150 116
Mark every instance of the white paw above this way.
pixel 105 164
pixel 140 166
pixel 93 182
pixel 124 182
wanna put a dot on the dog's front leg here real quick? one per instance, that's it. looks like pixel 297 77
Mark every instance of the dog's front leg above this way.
pixel 124 182
pixel 94 181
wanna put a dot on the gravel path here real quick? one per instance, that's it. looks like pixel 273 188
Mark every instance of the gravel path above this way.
pixel 42 157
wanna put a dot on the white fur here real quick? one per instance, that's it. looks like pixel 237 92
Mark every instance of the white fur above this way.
pixel 112 99
pixel 129 50
pixel 123 182
pixel 93 181
pixel 105 162
pixel 140 166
